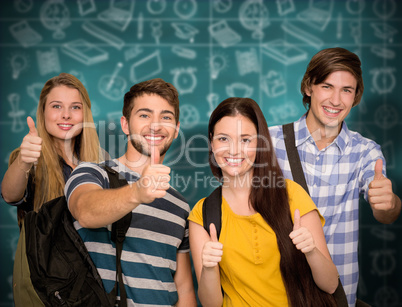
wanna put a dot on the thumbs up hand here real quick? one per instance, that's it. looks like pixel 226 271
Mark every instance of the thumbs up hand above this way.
pixel 31 145
pixel 301 236
pixel 154 181
pixel 380 192
pixel 213 250
pixel 296 223
pixel 155 155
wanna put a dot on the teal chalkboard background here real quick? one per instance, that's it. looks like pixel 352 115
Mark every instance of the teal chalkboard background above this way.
pixel 209 50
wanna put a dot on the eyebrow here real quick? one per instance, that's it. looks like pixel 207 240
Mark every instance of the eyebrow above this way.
pixel 59 101
pixel 224 134
pixel 152 111
pixel 348 86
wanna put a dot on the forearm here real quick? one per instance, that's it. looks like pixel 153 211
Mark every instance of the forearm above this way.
pixel 15 181
pixel 389 216
pixel 184 281
pixel 94 208
pixel 324 271
pixel 186 298
pixel 209 287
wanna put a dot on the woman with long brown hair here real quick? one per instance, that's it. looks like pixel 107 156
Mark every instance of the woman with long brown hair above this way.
pixel 271 250
pixel 65 134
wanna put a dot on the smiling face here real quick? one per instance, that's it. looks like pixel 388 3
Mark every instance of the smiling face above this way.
pixel 152 123
pixel 331 101
pixel 63 113
pixel 234 145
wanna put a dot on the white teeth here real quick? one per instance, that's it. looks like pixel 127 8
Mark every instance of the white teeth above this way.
pixel 155 138
pixel 65 126
pixel 332 110
pixel 234 160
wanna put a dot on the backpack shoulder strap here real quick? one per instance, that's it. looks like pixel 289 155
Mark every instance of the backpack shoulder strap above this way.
pixel 115 179
pixel 293 156
pixel 298 176
pixel 120 227
pixel 212 211
pixel 119 230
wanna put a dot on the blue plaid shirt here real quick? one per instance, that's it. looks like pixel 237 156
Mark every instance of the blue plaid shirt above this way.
pixel 336 177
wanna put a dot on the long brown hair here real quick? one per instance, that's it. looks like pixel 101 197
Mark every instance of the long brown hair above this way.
pixel 327 61
pixel 48 174
pixel 273 204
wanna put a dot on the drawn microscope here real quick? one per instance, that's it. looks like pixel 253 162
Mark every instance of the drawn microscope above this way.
pixel 15 113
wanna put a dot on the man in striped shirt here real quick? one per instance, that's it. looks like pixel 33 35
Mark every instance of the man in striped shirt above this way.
pixel 339 165
pixel 155 257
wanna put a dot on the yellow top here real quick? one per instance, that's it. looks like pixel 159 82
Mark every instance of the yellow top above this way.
pixel 249 270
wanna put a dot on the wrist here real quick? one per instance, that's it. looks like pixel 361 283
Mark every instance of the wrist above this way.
pixel 134 193
pixel 23 166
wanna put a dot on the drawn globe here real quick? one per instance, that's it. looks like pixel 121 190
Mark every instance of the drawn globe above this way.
pixel 254 16
pixel 55 16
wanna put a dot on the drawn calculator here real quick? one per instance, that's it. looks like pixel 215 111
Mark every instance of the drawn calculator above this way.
pixel 24 34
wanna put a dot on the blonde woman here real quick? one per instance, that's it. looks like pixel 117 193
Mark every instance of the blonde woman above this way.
pixel 64 136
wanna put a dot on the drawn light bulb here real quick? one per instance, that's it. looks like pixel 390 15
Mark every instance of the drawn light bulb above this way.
pixel 216 63
pixel 18 64
pixel 213 101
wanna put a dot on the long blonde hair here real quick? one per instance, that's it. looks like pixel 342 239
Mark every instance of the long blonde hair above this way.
pixel 48 175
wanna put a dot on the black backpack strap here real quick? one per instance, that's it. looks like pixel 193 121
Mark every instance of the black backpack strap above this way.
pixel 293 156
pixel 119 230
pixel 298 176
pixel 115 179
pixel 212 211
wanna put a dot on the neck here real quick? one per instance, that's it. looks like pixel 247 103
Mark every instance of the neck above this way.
pixel 238 185
pixel 237 194
pixel 136 165
pixel 65 150
pixel 323 135
pixel 135 160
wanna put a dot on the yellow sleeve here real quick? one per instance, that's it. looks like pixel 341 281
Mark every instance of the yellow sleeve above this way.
pixel 299 199
pixel 196 213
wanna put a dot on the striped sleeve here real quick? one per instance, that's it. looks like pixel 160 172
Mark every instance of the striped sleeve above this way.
pixel 86 173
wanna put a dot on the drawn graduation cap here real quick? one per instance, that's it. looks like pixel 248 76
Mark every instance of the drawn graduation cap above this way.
pixel 383 30
pixel 185 31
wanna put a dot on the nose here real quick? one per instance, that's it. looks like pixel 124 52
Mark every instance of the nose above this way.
pixel 66 113
pixel 155 124
pixel 336 98
pixel 234 148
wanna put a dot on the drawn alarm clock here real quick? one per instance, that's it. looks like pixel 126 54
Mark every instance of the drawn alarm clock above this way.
pixel 184 79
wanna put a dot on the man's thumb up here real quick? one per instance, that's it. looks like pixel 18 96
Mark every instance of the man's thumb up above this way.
pixel 31 126
pixel 155 155
pixel 378 169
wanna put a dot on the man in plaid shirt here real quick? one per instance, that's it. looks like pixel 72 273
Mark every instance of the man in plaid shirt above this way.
pixel 339 165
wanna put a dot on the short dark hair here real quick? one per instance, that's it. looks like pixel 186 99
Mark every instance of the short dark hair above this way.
pixel 154 86
pixel 327 61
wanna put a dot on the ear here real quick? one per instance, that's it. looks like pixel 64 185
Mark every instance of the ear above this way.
pixel 308 91
pixel 124 125
pixel 176 134
pixel 212 146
